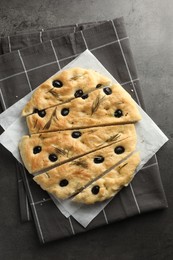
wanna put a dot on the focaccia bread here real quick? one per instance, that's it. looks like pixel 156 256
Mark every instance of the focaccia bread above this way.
pixel 106 106
pixel 111 183
pixel 81 124
pixel 41 151
pixel 63 87
pixel 67 179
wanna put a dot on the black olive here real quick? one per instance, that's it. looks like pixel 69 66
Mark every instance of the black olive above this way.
pixel 95 189
pixel 63 183
pixel 65 111
pixel 35 110
pixel 41 113
pixel 57 84
pixel 118 113
pixel 78 93
pixel 98 159
pixel 53 157
pixel 119 149
pixel 76 134
pixel 84 96
pixel 107 90
pixel 99 86
pixel 37 149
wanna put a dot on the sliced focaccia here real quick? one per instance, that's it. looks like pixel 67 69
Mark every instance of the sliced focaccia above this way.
pixel 41 151
pixel 81 124
pixel 67 179
pixel 111 183
pixel 63 87
pixel 105 106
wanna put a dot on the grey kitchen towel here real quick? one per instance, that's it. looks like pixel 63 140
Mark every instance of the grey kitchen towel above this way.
pixel 22 40
pixel 23 70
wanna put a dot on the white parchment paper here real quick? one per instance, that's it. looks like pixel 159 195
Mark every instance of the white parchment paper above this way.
pixel 150 140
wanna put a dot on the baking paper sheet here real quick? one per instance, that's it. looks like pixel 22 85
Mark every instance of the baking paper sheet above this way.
pixel 150 140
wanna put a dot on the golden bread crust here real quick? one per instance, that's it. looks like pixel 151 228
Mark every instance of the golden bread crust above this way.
pixel 103 115
pixel 111 183
pixel 98 109
pixel 64 146
pixel 46 95
pixel 81 171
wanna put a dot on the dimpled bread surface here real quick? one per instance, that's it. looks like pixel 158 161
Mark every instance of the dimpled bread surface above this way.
pixel 80 124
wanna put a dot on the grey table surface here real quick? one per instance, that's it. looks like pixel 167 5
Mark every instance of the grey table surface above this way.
pixel 149 25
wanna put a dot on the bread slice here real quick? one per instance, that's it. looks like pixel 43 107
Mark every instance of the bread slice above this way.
pixel 105 106
pixel 111 183
pixel 65 180
pixel 41 151
pixel 64 87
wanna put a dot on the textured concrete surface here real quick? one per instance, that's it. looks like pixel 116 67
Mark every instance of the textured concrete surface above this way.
pixel 149 24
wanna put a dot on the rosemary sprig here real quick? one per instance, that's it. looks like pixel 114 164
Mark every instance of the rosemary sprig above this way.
pixel 76 77
pixel 112 138
pixel 42 136
pixel 60 151
pixel 123 166
pixel 52 91
pixel 47 125
pixel 80 163
pixel 96 104
pixel 47 175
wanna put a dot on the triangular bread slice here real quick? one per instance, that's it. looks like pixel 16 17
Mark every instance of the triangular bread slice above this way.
pixel 67 179
pixel 111 183
pixel 105 106
pixel 63 87
pixel 41 151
